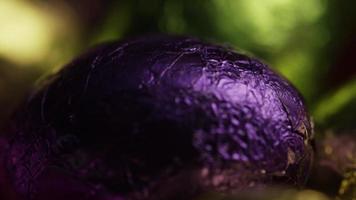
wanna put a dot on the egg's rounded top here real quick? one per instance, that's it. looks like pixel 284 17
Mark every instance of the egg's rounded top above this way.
pixel 136 116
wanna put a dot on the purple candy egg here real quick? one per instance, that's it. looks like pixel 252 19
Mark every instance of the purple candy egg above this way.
pixel 159 117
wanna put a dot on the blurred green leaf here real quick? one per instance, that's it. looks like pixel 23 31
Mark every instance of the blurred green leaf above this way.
pixel 337 110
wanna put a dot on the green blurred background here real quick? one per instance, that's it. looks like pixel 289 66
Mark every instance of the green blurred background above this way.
pixel 312 43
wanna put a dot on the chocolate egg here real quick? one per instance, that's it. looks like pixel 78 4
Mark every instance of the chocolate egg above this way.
pixel 159 117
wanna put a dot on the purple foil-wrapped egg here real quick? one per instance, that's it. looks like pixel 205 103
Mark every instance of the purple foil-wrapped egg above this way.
pixel 159 117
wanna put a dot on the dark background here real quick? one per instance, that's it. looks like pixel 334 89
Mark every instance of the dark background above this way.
pixel 312 43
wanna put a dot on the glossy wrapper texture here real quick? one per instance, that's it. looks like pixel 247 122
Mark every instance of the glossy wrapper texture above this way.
pixel 159 117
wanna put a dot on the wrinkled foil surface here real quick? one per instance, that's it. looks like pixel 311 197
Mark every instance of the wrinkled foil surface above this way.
pixel 151 117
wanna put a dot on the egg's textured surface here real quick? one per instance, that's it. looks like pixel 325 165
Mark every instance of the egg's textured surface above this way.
pixel 159 117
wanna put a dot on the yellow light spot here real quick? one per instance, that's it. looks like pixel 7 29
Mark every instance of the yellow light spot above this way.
pixel 26 32
pixel 328 150
pixel 310 195
pixel 348 183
